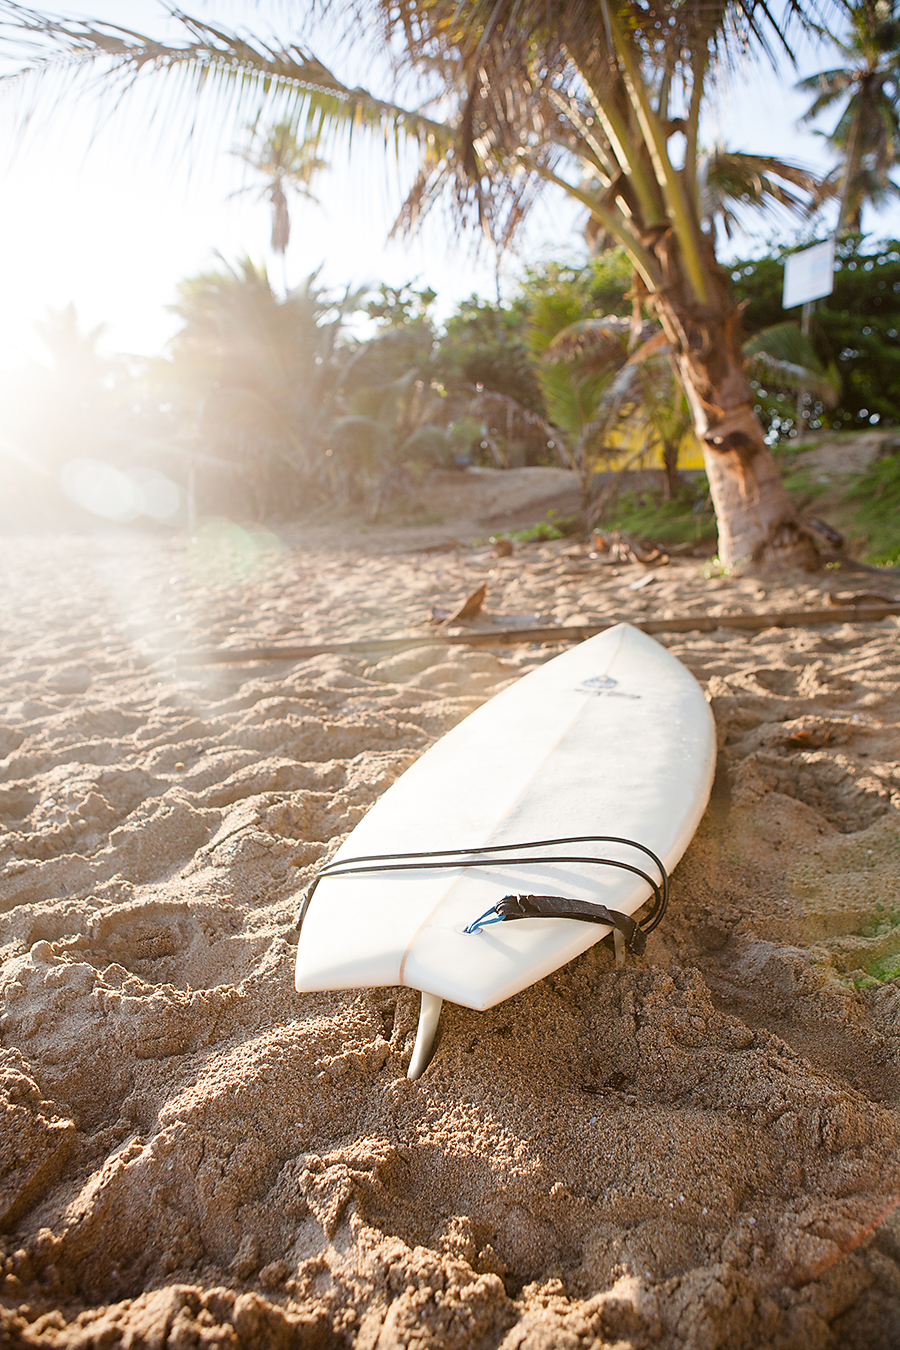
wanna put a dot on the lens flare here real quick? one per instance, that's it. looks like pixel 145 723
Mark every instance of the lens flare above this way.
pixel 222 552
pixel 119 494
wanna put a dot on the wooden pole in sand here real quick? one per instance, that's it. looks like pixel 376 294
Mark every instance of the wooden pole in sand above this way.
pixel 551 634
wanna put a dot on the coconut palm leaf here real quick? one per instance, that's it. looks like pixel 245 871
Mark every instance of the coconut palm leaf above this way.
pixel 783 355
pixel 829 86
pixel 250 73
pixel 866 187
pixel 594 344
pixel 731 180
pixel 780 354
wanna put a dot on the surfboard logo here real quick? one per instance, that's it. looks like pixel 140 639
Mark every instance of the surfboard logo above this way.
pixel 604 684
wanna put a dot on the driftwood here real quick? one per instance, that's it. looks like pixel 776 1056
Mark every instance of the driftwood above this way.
pixel 499 637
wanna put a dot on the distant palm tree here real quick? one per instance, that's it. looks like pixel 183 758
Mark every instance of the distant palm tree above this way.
pixel 867 134
pixel 73 351
pixel 284 162
pixel 257 375
pixel 75 404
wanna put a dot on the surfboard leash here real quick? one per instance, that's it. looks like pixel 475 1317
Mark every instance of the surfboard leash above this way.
pixel 513 907
pixel 562 907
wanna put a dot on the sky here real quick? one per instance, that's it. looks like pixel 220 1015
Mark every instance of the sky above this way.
pixel 110 215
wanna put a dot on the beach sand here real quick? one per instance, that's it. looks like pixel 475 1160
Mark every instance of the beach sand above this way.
pixel 699 1150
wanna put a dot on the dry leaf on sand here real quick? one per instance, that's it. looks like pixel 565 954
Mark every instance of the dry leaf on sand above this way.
pixel 469 609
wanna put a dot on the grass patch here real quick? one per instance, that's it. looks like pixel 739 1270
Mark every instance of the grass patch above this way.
pixel 805 483
pixel 686 519
pixel 419 516
pixel 551 527
pixel 876 496
pixel 886 968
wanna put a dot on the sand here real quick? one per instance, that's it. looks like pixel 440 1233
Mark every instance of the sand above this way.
pixel 698 1150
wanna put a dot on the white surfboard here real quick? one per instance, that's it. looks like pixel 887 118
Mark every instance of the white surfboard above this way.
pixel 613 738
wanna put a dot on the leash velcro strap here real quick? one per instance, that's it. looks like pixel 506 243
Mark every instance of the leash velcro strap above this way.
pixel 561 907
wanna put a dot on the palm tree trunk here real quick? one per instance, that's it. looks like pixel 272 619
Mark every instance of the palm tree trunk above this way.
pixel 671 476
pixel 848 217
pixel 756 519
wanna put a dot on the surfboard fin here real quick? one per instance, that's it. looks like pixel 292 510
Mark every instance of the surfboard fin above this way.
pixel 429 1016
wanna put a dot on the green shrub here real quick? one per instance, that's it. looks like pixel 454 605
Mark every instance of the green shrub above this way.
pixel 551 527
pixel 878 514
pixel 687 519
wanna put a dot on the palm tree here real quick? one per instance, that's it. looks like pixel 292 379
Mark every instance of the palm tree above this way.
pixel 867 133
pixel 74 405
pixel 584 96
pixel 283 161
pixel 257 376
pixel 587 97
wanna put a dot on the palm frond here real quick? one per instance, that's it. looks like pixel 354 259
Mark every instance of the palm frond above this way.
pixel 591 345
pixel 249 72
pixel 731 180
pixel 538 92
pixel 783 355
pixel 828 86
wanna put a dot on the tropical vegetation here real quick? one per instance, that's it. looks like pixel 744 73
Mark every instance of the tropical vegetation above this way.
pixel 599 100
pixel 854 335
pixel 251 381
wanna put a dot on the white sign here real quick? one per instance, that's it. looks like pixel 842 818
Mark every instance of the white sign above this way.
pixel 808 275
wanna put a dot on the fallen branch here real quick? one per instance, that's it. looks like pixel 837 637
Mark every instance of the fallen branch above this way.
pixel 499 637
